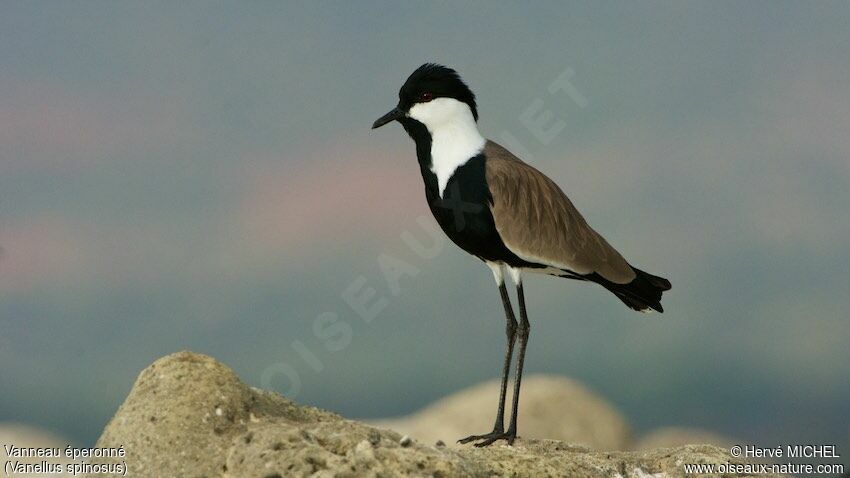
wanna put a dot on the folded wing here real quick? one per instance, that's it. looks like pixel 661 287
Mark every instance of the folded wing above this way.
pixel 538 223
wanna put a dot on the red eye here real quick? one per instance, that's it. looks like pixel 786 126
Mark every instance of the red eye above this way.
pixel 426 97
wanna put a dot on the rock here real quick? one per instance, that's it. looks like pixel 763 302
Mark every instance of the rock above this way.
pixel 190 416
pixel 551 407
pixel 669 437
pixel 26 436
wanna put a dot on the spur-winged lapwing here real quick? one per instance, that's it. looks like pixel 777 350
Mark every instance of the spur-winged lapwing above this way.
pixel 505 212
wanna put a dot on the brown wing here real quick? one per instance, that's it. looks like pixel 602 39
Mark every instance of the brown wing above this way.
pixel 538 222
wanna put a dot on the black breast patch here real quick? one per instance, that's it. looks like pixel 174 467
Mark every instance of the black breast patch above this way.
pixel 464 212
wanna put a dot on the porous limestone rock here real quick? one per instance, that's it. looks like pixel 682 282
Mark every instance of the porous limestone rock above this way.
pixel 190 416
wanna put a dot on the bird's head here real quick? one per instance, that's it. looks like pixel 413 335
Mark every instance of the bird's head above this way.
pixel 432 95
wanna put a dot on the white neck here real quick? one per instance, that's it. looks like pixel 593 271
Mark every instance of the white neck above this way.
pixel 454 136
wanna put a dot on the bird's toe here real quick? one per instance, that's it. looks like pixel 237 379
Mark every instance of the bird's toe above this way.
pixel 490 438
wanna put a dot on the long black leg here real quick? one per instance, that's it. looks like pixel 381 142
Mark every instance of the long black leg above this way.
pixel 523 332
pixel 522 336
pixel 510 331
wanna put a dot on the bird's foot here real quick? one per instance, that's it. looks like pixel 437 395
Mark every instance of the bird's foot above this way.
pixel 489 438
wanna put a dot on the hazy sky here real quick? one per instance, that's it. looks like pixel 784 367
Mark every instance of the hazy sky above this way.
pixel 202 176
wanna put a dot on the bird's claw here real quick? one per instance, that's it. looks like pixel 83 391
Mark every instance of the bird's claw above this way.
pixel 489 438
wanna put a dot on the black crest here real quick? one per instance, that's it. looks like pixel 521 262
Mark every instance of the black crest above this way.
pixel 440 82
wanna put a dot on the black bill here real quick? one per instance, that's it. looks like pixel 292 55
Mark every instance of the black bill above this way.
pixel 391 116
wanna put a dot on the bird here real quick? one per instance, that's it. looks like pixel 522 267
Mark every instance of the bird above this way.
pixel 506 213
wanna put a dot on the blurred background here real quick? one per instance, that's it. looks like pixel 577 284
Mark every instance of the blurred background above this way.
pixel 202 176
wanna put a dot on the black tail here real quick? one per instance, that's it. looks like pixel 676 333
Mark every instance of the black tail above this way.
pixel 642 293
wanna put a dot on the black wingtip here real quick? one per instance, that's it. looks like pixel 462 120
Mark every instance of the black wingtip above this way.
pixel 642 294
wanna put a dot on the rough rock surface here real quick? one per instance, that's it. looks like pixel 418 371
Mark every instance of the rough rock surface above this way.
pixel 190 416
pixel 552 407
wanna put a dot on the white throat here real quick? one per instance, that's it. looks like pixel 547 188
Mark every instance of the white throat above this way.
pixel 454 135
